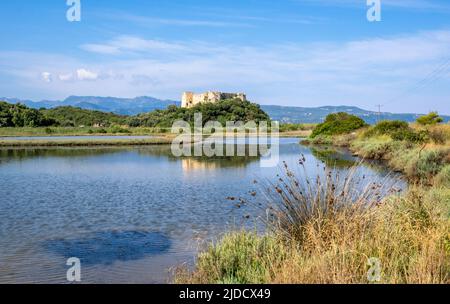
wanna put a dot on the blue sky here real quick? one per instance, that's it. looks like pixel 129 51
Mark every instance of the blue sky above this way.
pixel 284 52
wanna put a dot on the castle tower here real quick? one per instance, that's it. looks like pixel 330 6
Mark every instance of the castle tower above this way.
pixel 187 99
pixel 190 99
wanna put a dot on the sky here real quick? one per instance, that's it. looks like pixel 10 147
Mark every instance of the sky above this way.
pixel 286 52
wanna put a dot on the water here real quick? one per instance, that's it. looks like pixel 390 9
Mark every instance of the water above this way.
pixel 55 138
pixel 129 213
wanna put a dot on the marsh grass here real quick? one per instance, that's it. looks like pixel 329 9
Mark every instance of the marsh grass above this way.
pixel 297 199
pixel 326 228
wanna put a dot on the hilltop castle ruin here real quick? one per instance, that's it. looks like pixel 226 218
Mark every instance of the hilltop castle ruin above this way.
pixel 191 99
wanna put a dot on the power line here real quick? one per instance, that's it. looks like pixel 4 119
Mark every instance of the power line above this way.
pixel 379 112
pixel 434 75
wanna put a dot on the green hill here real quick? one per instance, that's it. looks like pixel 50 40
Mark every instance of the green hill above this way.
pixel 227 110
pixel 74 117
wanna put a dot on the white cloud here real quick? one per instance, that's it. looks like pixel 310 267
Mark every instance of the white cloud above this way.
pixel 83 74
pixel 47 77
pixel 66 77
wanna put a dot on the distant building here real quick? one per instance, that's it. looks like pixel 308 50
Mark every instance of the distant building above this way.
pixel 191 99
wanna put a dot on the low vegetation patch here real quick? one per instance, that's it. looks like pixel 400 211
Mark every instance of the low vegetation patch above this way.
pixel 326 231
pixel 421 157
pixel 397 130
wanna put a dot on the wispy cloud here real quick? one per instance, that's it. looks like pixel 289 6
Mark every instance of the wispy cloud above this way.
pixel 123 44
pixel 180 22
pixel 404 4
pixel 360 72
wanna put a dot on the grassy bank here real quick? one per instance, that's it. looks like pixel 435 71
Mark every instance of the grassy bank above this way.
pixel 86 143
pixel 79 131
pixel 409 236
pixel 321 234
pixel 298 131
pixel 426 161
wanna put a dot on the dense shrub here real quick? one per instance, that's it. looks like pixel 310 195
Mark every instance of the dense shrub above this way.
pixel 17 115
pixel 397 130
pixel 429 164
pixel 388 127
pixel 74 117
pixel 430 119
pixel 439 134
pixel 338 123
pixel 411 136
pixel 224 111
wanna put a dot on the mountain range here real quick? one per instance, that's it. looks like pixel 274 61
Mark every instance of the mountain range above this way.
pixel 143 104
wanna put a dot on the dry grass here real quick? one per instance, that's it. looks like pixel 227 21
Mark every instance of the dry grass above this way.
pixel 323 230
pixel 421 162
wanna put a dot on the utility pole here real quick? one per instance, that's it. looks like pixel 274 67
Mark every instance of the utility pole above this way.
pixel 379 112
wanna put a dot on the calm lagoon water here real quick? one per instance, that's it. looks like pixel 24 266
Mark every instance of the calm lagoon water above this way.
pixel 129 214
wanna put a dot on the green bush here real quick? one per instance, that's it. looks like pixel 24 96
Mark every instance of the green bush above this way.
pixel 432 118
pixel 338 123
pixel 18 115
pixel 397 130
pixel 388 127
pixel 411 136
pixel 429 164
pixel 70 117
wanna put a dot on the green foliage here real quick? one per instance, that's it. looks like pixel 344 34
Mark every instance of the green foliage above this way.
pixel 338 123
pixel 432 118
pixel 241 258
pixel 388 127
pixel 429 164
pixel 75 117
pixel 20 116
pixel 411 136
pixel 227 110
pixel 398 130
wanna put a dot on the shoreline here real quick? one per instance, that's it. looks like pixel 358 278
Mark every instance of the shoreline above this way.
pixel 84 143
pixel 154 139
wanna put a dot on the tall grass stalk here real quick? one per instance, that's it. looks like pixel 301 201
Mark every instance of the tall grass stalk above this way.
pixel 326 229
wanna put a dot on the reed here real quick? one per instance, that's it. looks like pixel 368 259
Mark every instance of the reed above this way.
pixel 327 229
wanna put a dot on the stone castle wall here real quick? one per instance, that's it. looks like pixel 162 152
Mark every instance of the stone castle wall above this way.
pixel 191 99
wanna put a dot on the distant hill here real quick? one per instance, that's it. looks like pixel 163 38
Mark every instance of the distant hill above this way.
pixel 121 106
pixel 316 115
pixel 145 104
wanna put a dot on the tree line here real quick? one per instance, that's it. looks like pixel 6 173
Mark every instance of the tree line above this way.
pixel 18 115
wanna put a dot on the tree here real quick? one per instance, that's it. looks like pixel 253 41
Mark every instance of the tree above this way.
pixel 432 118
pixel 338 123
